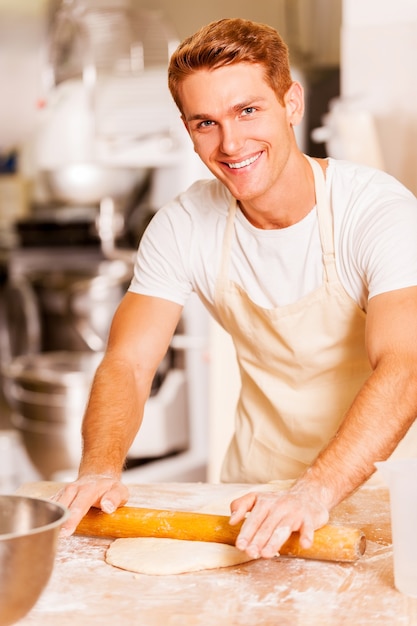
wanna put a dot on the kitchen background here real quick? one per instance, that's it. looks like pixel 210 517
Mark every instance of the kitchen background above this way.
pixel 91 146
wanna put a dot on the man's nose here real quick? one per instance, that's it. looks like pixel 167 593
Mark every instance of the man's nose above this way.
pixel 232 138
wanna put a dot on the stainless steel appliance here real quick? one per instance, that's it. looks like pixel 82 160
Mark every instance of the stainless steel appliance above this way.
pixel 63 331
pixel 108 128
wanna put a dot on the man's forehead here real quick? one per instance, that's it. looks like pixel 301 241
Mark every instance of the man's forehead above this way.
pixel 230 87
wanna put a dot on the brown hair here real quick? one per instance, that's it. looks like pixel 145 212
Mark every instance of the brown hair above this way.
pixel 229 41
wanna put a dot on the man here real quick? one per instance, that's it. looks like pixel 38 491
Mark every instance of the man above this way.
pixel 311 265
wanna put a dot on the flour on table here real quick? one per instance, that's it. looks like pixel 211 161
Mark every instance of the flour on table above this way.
pixel 161 556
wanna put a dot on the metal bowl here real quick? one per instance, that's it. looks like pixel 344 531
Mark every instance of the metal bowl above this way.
pixel 29 529
pixel 52 447
pixel 88 183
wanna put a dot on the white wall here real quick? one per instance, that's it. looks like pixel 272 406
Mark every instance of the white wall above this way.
pixel 378 56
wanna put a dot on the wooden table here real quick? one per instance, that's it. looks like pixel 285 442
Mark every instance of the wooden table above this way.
pixel 85 591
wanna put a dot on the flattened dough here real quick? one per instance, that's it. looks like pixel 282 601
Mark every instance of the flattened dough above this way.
pixel 160 556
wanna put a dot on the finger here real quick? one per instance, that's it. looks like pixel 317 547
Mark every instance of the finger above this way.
pixel 66 495
pixel 80 496
pixel 114 497
pixel 107 505
pixel 240 507
pixel 306 534
pixel 270 534
pixel 250 537
pixel 277 539
pixel 78 510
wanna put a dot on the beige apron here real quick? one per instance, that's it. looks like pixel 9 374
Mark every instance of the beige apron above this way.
pixel 300 364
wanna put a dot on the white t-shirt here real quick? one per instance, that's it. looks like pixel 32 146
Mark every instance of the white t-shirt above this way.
pixel 375 236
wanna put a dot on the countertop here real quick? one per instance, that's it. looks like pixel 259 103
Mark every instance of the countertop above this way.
pixel 285 591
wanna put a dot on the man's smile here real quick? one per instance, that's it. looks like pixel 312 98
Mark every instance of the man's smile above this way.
pixel 245 163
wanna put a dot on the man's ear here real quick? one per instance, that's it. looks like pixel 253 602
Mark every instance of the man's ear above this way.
pixel 294 103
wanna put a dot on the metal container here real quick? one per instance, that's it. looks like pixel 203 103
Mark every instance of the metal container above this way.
pixel 52 448
pixel 72 309
pixel 88 183
pixel 29 530
pixel 51 374
pixel 48 394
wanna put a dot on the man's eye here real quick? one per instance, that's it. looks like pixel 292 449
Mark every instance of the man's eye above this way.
pixel 248 110
pixel 206 124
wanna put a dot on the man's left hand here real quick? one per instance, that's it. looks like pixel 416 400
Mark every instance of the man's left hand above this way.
pixel 271 517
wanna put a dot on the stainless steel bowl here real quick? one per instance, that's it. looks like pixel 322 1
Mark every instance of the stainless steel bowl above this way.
pixel 89 183
pixel 29 530
pixel 52 447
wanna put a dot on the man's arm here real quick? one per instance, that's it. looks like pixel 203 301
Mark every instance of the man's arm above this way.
pixel 377 420
pixel 140 335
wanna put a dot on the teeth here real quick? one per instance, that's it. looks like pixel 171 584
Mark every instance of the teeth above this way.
pixel 236 166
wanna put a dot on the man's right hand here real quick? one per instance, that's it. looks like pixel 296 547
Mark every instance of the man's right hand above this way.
pixel 100 491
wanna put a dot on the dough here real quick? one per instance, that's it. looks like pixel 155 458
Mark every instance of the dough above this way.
pixel 160 556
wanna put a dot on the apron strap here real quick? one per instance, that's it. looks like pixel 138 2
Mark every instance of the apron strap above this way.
pixel 223 275
pixel 324 216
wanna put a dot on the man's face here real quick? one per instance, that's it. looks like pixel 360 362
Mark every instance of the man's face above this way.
pixel 239 128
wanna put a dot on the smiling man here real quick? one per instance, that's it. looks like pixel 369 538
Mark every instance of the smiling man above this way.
pixel 246 142
pixel 309 264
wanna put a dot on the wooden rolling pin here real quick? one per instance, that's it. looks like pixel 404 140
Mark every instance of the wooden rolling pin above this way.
pixel 331 543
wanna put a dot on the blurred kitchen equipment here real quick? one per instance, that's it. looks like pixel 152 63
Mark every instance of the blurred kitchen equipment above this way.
pixel 87 183
pixel 105 83
pixel 20 331
pixel 16 467
pixel 109 226
pixel 14 203
pixel 350 133
pixel 400 476
pixel 63 308
pixel 115 36
pixel 174 426
pixel 108 134
pixel 48 393
pixel 29 530
pixel 77 306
